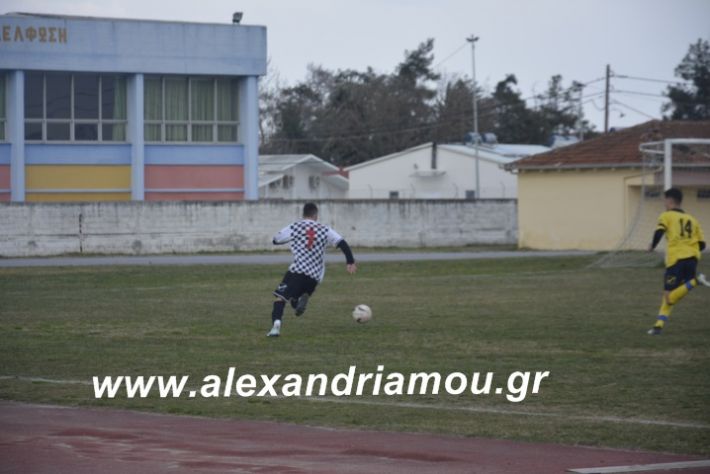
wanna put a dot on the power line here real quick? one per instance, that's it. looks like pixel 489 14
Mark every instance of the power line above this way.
pixel 647 94
pixel 617 102
pixel 458 118
pixel 491 110
pixel 661 97
pixel 656 96
pixel 598 79
pixel 645 97
pixel 450 55
pixel 599 108
pixel 595 94
pixel 647 79
pixel 375 132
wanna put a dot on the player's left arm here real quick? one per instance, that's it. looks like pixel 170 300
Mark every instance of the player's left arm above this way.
pixel 283 236
pixel 660 231
pixel 336 239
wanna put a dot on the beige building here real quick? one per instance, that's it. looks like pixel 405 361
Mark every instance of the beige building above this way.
pixel 596 194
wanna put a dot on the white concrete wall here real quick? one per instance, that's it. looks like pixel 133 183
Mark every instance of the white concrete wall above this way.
pixel 165 227
pixel 396 174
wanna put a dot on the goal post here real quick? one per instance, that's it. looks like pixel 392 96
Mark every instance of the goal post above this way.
pixel 673 162
pixel 651 149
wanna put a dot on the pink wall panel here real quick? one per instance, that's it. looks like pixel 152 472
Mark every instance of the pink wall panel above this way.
pixel 177 176
pixel 194 196
pixel 4 177
pixel 4 183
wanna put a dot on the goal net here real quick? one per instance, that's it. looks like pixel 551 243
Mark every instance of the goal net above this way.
pixel 682 163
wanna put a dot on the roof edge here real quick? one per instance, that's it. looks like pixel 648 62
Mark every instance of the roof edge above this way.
pixel 59 16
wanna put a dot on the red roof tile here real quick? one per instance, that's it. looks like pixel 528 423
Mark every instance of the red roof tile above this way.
pixel 621 148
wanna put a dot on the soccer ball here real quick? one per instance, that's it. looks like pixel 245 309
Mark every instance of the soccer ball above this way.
pixel 362 313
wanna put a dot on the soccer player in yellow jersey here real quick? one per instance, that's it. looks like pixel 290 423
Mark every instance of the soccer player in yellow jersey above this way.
pixel 685 242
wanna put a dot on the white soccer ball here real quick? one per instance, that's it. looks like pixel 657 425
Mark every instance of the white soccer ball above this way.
pixel 362 313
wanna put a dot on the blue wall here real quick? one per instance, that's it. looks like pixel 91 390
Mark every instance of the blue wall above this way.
pixel 194 155
pixel 4 153
pixel 83 154
pixel 134 46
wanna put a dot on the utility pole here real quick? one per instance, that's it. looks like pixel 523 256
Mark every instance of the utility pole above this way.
pixel 606 100
pixel 580 112
pixel 472 39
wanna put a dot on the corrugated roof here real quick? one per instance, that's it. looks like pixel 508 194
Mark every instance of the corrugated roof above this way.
pixel 500 153
pixel 621 148
pixel 273 167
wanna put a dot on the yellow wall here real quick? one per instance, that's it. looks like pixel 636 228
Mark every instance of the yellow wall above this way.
pixel 643 227
pixel 76 197
pixel 592 210
pixel 77 177
pixel 571 209
pixel 700 208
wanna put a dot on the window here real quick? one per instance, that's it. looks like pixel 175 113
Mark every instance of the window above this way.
pixel 3 115
pixel 191 109
pixel 394 194
pixel 652 193
pixel 703 193
pixel 61 106
pixel 287 182
pixel 470 194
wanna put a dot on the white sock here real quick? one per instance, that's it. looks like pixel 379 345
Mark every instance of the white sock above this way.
pixel 277 324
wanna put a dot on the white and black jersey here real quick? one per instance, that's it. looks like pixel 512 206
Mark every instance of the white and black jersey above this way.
pixel 309 240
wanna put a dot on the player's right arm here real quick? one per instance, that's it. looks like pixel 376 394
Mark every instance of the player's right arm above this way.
pixel 660 231
pixel 283 236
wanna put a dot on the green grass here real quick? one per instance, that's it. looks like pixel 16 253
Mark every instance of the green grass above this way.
pixel 585 326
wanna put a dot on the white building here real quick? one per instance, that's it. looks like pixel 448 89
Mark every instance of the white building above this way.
pixel 300 177
pixel 431 171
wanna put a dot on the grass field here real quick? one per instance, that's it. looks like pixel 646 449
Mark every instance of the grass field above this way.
pixel 587 327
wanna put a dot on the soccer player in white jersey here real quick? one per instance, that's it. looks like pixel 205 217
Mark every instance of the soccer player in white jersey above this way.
pixel 309 239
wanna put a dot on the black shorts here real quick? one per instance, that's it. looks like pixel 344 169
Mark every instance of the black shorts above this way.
pixel 294 285
pixel 679 273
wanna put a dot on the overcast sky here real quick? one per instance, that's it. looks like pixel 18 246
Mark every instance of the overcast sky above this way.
pixel 533 39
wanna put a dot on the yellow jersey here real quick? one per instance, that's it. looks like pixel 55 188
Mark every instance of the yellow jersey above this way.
pixel 683 235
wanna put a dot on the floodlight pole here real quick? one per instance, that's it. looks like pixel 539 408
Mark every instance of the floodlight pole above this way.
pixel 472 39
pixel 580 111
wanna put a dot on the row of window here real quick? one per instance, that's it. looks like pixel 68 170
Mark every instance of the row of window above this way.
pixel 87 107
pixel 75 107
pixel 470 195
pixel 657 193
pixel 180 109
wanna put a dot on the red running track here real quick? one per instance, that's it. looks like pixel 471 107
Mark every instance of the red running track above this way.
pixel 52 439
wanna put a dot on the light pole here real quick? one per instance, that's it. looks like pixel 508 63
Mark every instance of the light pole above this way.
pixel 472 39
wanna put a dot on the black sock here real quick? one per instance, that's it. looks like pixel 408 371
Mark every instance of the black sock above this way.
pixel 278 310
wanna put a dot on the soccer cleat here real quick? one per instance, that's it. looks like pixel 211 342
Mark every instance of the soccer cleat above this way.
pixel 275 330
pixel 702 279
pixel 654 331
pixel 301 305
